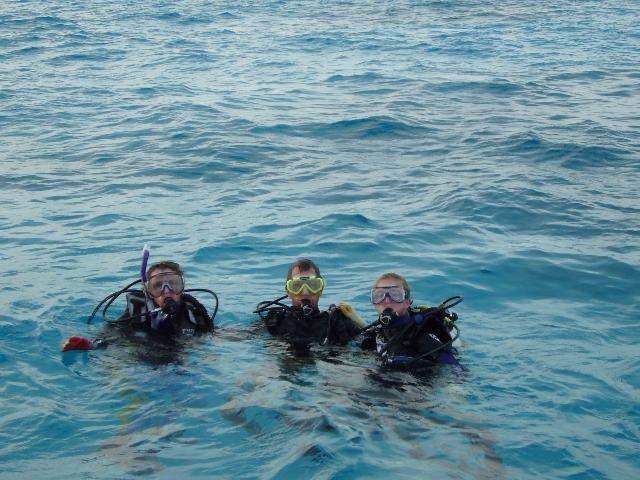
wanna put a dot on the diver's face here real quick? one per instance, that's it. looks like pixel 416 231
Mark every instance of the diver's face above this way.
pixel 296 300
pixel 400 308
pixel 167 278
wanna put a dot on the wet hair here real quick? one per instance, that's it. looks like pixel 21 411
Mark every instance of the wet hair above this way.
pixel 303 264
pixel 400 278
pixel 165 265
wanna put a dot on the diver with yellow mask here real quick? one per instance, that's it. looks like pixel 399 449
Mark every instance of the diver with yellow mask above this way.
pixel 303 323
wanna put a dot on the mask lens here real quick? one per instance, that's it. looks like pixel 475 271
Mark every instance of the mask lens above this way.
pixel 172 281
pixel 314 285
pixel 395 293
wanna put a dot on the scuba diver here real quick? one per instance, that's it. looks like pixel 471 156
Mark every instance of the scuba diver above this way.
pixel 408 337
pixel 161 309
pixel 303 323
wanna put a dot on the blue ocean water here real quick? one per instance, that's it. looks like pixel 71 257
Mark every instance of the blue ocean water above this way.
pixel 487 149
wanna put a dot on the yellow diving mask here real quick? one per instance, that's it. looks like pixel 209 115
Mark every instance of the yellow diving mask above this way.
pixel 314 285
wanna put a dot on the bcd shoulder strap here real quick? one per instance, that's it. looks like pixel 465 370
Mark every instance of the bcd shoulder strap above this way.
pixel 197 312
pixel 136 304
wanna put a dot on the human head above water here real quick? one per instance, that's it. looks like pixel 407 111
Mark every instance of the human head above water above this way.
pixel 384 284
pixel 167 278
pixel 303 267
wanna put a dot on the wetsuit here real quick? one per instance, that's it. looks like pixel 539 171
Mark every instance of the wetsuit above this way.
pixel 420 337
pixel 301 326
pixel 187 318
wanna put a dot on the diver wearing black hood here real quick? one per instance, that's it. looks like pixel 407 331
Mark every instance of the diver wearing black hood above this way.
pixel 303 323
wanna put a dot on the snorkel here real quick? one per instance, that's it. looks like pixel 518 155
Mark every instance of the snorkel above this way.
pixel 152 314
pixel 143 266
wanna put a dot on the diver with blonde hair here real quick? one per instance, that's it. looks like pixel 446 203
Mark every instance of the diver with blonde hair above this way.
pixel 405 336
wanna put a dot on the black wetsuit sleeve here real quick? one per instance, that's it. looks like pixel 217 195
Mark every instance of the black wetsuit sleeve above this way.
pixel 115 330
pixel 273 321
pixel 341 329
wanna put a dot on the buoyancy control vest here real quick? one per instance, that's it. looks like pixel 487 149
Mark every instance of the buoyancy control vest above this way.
pixel 303 325
pixel 422 336
pixel 189 317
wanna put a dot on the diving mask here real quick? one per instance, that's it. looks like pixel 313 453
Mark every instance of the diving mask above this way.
pixel 395 293
pixel 158 282
pixel 314 285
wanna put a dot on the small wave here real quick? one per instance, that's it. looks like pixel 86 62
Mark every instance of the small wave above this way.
pixel 49 19
pixel 306 458
pixel 549 275
pixel 24 51
pixel 342 192
pixel 621 92
pixel 570 155
pixel 192 20
pixel 496 87
pixel 97 56
pixel 321 42
pixel 224 250
pixel 336 222
pixel 268 63
pixel 588 75
pixel 169 16
pixel 342 220
pixel 146 91
pixel 359 128
pixel 37 23
pixel 363 77
pixel 101 220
